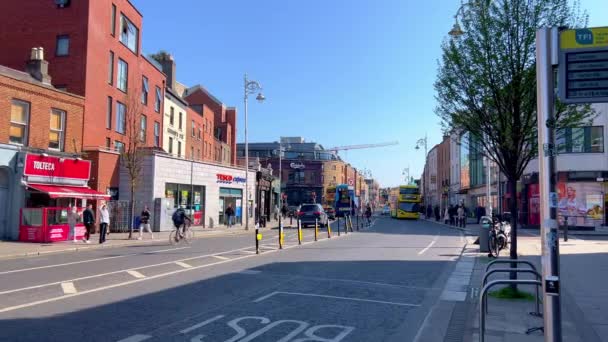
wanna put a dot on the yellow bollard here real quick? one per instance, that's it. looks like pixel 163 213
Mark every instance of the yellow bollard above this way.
pixel 281 236
pixel 316 229
pixel 328 230
pixel 299 232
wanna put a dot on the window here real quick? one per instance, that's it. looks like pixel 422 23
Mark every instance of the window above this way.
pixel 171 116
pixel 193 128
pixel 179 148
pixel 63 45
pixel 191 152
pixel 108 143
pixel 123 75
pixel 57 129
pixel 121 112
pixel 197 108
pixel 199 133
pixel 170 145
pixel 180 120
pixel 144 90
pixel 156 134
pixel 111 69
pixel 109 113
pixel 198 154
pixel 113 21
pixel 157 100
pixel 205 125
pixel 588 139
pixel 20 116
pixel 143 123
pixel 128 33
pixel 119 146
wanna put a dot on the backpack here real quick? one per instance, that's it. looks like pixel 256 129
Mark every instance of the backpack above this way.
pixel 177 217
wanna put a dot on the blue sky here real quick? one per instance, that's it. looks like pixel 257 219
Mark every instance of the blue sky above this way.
pixel 338 72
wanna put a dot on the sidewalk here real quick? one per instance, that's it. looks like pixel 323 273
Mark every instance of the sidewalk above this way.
pixel 16 249
pixel 584 296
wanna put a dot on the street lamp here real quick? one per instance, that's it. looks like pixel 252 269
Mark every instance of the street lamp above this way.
pixel 250 87
pixel 456 31
pixel 422 142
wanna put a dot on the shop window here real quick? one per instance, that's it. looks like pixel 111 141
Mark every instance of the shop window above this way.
pixel 123 72
pixel 63 45
pixel 56 135
pixel 588 139
pixel 144 90
pixel 20 117
pixel 129 33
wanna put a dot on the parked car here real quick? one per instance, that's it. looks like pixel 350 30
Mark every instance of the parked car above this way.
pixel 311 213
pixel 331 212
pixel 386 210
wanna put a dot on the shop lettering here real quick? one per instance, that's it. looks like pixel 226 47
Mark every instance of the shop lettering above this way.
pixel 228 179
pixel 38 165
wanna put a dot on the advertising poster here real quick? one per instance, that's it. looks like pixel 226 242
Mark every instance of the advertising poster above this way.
pixel 581 203
pixel 534 204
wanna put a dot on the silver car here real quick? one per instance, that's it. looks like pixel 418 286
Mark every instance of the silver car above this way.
pixel 311 213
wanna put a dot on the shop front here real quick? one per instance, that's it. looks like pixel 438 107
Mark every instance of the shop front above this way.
pixel 52 186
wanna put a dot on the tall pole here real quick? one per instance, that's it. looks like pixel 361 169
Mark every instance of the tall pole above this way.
pixel 246 201
pixel 280 175
pixel 489 187
pixel 546 41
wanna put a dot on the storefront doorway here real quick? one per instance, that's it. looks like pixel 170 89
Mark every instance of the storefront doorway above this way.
pixel 234 198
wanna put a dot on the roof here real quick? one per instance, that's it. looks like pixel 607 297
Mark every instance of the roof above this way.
pixel 193 89
pixel 26 77
pixel 176 96
pixel 154 63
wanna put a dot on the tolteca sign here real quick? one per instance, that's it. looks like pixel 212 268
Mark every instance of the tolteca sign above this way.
pixel 54 168
pixel 228 179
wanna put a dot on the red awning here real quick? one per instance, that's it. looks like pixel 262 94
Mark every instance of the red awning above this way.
pixel 66 191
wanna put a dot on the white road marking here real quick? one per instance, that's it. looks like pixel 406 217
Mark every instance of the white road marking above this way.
pixel 332 297
pixel 136 274
pixel 119 271
pixel 68 288
pixel 248 252
pixel 220 257
pixel 167 250
pixel 429 246
pixel 136 338
pixel 201 324
pixel 249 272
pixel 183 264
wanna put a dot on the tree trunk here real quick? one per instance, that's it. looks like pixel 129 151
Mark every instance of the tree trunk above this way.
pixel 132 215
pixel 514 218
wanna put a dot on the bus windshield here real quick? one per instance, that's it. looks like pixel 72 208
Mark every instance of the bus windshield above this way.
pixel 409 191
pixel 409 207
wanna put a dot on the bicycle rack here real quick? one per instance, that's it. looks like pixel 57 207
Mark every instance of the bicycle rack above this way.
pixel 482 303
pixel 518 270
pixel 510 261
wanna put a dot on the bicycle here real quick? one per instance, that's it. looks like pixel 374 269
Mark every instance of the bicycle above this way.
pixel 499 237
pixel 178 235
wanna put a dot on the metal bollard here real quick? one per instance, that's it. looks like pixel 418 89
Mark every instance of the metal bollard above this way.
pixel 346 224
pixel 566 228
pixel 258 237
pixel 328 230
pixel 316 229
pixel 281 236
pixel 357 222
pixel 338 226
pixel 299 232
pixel 291 220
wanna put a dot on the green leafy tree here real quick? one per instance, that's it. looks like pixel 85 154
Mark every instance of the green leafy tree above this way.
pixel 486 83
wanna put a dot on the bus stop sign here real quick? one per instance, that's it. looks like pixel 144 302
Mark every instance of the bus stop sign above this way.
pixel 583 65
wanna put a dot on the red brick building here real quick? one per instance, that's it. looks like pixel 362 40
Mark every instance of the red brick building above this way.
pixel 94 50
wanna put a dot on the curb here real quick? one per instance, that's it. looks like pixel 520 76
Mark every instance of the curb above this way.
pixel 127 243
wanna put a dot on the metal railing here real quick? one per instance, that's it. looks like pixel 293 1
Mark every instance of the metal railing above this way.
pixel 482 303
pixel 537 313
pixel 510 261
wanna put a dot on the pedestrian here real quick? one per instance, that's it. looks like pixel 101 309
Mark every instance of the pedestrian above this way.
pixel 88 217
pixel 284 211
pixel 461 216
pixel 104 222
pixel 368 214
pixel 446 215
pixel 229 213
pixel 144 219
pixel 72 220
pixel 478 213
pixel 452 214
pixel 437 214
pixel 429 212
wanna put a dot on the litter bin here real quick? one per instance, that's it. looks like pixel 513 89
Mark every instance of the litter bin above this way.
pixel 484 232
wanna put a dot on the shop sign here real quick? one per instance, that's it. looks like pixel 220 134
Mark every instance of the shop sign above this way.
pixel 297 165
pixel 228 179
pixel 56 168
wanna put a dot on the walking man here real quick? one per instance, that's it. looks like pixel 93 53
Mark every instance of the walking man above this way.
pixel 72 220
pixel 145 223
pixel 88 217
pixel 460 216
pixel 104 218
pixel 229 214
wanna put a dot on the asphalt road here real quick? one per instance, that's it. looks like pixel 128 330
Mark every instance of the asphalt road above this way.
pixel 378 284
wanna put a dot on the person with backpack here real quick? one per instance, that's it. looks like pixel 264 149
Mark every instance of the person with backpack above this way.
pixel 179 219
pixel 88 217
pixel 144 218
pixel 229 214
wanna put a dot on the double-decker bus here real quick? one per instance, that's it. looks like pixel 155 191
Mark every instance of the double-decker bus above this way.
pixel 407 203
pixel 330 201
pixel 345 200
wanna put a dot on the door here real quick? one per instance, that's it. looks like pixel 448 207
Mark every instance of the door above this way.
pixel 3 202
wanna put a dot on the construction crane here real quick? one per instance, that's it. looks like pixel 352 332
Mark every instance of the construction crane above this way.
pixel 357 147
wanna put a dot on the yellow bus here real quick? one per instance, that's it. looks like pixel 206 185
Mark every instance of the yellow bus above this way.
pixel 407 203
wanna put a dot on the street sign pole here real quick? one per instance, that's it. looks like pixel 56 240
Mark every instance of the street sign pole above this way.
pixel 546 58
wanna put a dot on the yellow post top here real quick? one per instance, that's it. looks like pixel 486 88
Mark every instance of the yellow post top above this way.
pixel 594 37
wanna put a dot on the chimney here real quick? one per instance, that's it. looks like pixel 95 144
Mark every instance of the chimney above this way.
pixel 37 67
pixel 168 65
